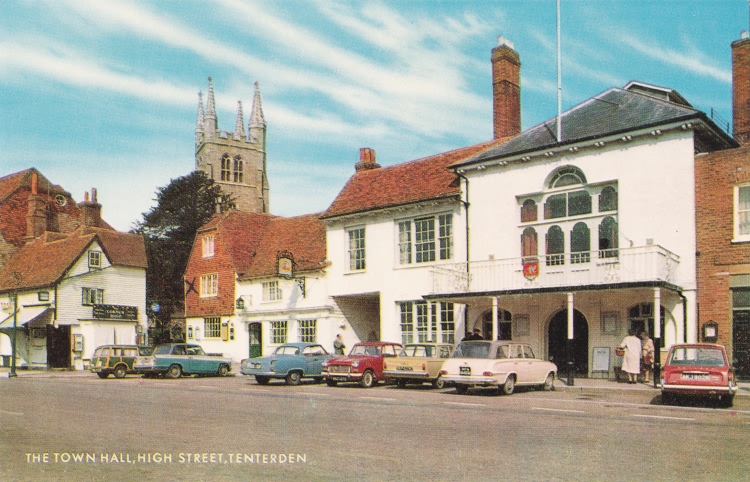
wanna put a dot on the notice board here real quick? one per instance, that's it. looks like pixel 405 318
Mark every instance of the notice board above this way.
pixel 601 359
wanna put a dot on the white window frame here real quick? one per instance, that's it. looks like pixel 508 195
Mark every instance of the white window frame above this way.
pixel 357 254
pixel 212 327
pixel 307 331
pixel 279 332
pixel 92 296
pixel 95 259
pixel 208 245
pixel 272 291
pixel 738 236
pixel 209 285
pixel 424 246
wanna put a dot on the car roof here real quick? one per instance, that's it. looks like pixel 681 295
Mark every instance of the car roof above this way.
pixel 378 343
pixel 698 345
pixel 300 345
pixel 119 346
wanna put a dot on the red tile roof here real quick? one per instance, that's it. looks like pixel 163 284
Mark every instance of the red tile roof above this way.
pixel 408 182
pixel 44 261
pixel 253 240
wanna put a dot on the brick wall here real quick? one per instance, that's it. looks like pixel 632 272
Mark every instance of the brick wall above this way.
pixel 221 263
pixel 506 91
pixel 718 257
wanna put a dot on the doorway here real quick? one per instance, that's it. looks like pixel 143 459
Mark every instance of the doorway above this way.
pixel 58 346
pixel 256 339
pixel 741 344
pixel 557 340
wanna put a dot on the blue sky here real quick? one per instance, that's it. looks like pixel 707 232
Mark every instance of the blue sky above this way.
pixel 104 94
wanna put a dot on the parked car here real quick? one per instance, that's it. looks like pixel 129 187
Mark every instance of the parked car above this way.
pixel 364 364
pixel 417 363
pixel 499 364
pixel 116 360
pixel 292 362
pixel 698 370
pixel 173 360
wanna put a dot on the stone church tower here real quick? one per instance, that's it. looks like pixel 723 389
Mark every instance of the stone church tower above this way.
pixel 234 160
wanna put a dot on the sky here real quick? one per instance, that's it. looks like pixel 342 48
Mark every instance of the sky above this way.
pixel 104 94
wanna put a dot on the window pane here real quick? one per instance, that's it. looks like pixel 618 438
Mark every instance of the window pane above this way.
pixel 555 246
pixel 529 242
pixel 740 298
pixel 528 211
pixel 446 236
pixel 407 323
pixel 556 207
pixel 580 244
pixel 425 240
pixel 357 249
pixel 404 242
pixel 579 202
pixel 608 199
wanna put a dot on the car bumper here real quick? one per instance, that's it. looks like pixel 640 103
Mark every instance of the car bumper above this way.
pixel 469 380
pixel 260 373
pixel 342 377
pixel 699 389
pixel 402 374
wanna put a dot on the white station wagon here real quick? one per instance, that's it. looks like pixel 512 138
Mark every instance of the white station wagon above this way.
pixel 499 364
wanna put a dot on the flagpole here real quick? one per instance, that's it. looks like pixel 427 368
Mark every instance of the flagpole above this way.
pixel 559 79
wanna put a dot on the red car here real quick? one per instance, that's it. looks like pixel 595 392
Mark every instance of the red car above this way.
pixel 698 370
pixel 364 364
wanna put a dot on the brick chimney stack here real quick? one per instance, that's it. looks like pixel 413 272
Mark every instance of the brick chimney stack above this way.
pixel 91 210
pixel 366 160
pixel 741 88
pixel 506 89
pixel 36 216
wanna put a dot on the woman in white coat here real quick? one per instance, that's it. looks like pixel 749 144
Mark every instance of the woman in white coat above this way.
pixel 631 361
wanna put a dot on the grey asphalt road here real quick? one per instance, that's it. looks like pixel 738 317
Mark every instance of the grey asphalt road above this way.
pixel 233 429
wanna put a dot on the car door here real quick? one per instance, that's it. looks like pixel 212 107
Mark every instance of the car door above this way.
pixel 314 356
pixel 520 364
pixel 537 369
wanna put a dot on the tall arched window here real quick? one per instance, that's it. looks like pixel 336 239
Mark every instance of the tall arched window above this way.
pixel 555 246
pixel 528 211
pixel 226 168
pixel 608 238
pixel 529 242
pixel 608 199
pixel 237 171
pixel 580 244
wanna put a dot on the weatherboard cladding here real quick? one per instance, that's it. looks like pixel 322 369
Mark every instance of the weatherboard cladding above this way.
pixel 408 182
pixel 613 112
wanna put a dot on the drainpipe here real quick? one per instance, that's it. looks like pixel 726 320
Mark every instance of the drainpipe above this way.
pixel 684 316
pixel 465 204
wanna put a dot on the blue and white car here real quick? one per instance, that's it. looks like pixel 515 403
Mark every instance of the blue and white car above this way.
pixel 291 361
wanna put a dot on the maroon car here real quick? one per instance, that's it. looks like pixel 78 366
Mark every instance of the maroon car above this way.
pixel 698 370
pixel 364 364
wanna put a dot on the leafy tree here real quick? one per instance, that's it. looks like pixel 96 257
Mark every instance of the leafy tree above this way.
pixel 169 229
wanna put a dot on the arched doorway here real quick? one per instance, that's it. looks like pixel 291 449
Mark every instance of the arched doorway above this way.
pixel 557 339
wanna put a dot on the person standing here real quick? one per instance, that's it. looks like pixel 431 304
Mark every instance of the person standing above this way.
pixel 647 350
pixel 338 345
pixel 631 361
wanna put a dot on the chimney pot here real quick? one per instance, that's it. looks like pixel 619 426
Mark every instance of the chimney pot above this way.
pixel 506 89
pixel 366 160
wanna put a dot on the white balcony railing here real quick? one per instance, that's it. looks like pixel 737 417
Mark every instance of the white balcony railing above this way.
pixel 623 265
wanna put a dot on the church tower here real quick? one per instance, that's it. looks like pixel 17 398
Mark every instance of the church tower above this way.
pixel 236 161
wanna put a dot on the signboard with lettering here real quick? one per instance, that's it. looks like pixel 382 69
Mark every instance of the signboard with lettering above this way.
pixel 115 312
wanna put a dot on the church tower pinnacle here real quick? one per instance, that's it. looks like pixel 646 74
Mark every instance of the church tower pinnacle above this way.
pixel 236 161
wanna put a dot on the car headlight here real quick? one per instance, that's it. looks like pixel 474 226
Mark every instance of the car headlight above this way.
pixel 325 364
pixel 355 364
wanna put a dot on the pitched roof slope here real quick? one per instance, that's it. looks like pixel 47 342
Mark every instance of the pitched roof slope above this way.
pixel 44 261
pixel 613 112
pixel 408 182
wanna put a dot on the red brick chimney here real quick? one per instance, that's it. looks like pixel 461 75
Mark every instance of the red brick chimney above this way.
pixel 91 210
pixel 366 160
pixel 36 215
pixel 741 88
pixel 506 89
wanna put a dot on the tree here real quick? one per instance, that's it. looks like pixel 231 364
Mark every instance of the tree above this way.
pixel 169 229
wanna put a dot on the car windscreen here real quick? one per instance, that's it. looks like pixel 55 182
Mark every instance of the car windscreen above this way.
pixel 162 350
pixel 365 350
pixel 472 350
pixel 695 356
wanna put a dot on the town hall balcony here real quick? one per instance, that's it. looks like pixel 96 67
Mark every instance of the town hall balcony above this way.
pixel 651 263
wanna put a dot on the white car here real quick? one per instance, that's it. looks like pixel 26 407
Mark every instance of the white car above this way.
pixel 499 364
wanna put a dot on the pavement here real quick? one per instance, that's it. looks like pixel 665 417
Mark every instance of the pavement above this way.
pixel 560 384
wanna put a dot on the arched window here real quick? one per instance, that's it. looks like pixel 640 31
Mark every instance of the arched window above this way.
pixel 608 238
pixel 226 168
pixel 608 199
pixel 556 206
pixel 641 318
pixel 529 242
pixel 567 176
pixel 580 244
pixel 504 330
pixel 579 202
pixel 237 171
pixel 528 211
pixel 555 246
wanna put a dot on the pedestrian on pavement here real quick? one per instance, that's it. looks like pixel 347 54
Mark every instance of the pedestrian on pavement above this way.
pixel 475 335
pixel 647 349
pixel 631 360
pixel 338 345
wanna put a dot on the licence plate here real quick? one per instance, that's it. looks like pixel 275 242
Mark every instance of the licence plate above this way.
pixel 406 369
pixel 695 376
pixel 339 379
pixel 465 371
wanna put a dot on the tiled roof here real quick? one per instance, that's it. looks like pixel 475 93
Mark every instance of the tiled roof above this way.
pixel 408 182
pixel 253 240
pixel 11 182
pixel 614 112
pixel 44 261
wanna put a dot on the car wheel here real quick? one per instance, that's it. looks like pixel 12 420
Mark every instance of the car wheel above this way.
pixel 368 380
pixel 508 386
pixel 461 389
pixel 439 383
pixel 293 378
pixel 261 380
pixel 103 374
pixel 120 371
pixel 727 401
pixel 401 383
pixel 223 370
pixel 331 383
pixel 549 383
pixel 175 371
